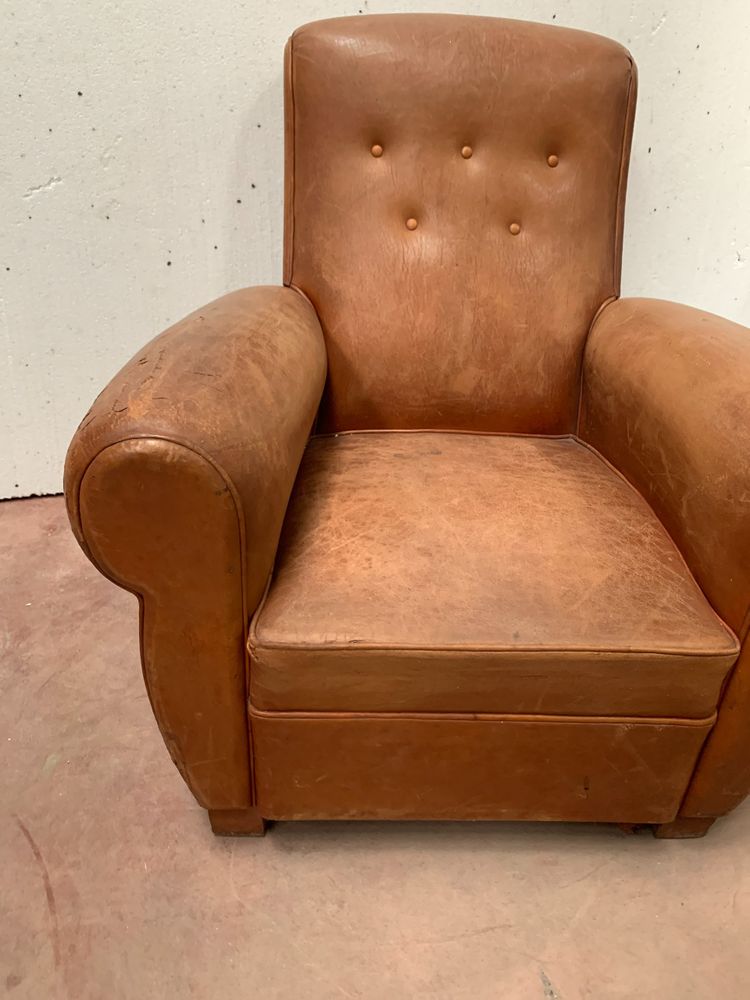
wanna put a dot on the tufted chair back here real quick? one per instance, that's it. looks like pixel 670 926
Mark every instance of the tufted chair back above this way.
pixel 454 201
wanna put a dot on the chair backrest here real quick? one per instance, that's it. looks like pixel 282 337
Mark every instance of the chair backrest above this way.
pixel 455 189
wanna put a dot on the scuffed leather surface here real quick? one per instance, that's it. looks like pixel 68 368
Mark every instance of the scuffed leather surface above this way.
pixel 177 482
pixel 424 571
pixel 161 521
pixel 472 767
pixel 458 324
pixel 666 397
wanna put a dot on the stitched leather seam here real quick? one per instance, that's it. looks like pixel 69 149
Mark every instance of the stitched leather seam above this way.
pixel 200 453
pixel 442 430
pixel 701 755
pixel 255 645
pixel 293 167
pixel 627 134
pixel 582 359
pixel 305 296
pixel 608 720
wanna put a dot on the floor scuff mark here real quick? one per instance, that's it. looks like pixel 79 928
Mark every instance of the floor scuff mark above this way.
pixel 550 993
pixel 48 890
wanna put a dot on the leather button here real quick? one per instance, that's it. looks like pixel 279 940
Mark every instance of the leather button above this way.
pixel 411 223
pixel 466 152
pixel 377 150
pixel 552 160
pixel 514 228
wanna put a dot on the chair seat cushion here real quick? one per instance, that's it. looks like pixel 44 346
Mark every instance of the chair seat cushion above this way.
pixel 450 572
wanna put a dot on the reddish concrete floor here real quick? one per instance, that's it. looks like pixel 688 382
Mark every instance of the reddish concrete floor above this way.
pixel 114 887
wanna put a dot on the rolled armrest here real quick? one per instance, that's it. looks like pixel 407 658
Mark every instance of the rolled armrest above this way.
pixel 666 398
pixel 177 482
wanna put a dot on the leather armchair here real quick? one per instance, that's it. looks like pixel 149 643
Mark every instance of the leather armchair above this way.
pixel 443 528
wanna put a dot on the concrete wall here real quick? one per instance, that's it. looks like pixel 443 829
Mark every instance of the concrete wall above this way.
pixel 142 176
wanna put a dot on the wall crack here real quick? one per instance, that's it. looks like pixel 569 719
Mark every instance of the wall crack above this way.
pixel 39 188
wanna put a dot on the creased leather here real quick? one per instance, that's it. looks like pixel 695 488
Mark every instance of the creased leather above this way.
pixel 666 397
pixel 456 324
pixel 177 482
pixel 480 573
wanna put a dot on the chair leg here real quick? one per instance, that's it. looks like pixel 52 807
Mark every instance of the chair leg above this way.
pixel 630 828
pixel 237 822
pixel 684 828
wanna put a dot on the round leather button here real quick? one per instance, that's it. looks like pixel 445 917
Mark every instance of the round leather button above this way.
pixel 411 223
pixel 552 160
pixel 377 150
pixel 466 152
pixel 514 228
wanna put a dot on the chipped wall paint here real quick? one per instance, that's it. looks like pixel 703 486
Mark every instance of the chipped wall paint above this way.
pixel 142 176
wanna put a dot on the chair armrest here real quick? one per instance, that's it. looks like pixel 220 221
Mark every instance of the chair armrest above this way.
pixel 666 398
pixel 177 483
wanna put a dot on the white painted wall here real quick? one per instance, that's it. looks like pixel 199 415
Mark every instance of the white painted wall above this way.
pixel 141 169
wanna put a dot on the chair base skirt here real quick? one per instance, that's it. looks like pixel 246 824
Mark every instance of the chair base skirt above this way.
pixel 398 766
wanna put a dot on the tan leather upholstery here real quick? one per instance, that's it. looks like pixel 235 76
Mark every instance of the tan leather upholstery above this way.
pixel 513 578
pixel 666 398
pixel 439 572
pixel 452 766
pixel 176 483
pixel 464 338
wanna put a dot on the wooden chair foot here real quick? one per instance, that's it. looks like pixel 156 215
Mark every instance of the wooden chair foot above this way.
pixel 684 828
pixel 237 822
pixel 630 828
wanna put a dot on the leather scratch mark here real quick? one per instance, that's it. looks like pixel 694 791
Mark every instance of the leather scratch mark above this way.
pixel 48 890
